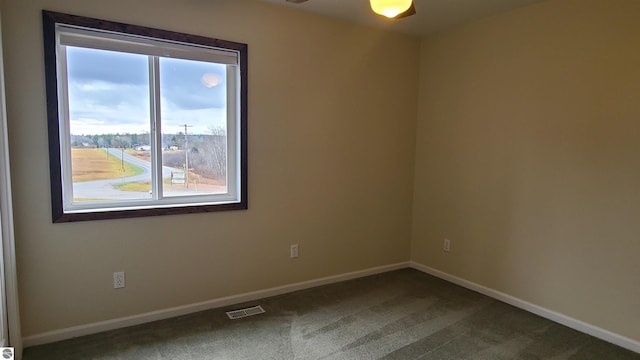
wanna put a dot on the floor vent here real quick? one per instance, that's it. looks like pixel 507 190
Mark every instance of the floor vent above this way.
pixel 243 313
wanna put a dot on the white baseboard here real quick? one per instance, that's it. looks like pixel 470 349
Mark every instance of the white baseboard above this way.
pixel 82 330
pixel 581 326
pixel 93 328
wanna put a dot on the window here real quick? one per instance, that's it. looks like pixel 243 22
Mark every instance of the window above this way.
pixel 143 121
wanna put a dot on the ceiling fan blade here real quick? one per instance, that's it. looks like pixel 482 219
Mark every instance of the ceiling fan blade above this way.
pixel 296 1
pixel 410 11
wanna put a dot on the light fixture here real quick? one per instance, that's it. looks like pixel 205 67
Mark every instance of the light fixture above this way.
pixel 390 8
pixel 210 80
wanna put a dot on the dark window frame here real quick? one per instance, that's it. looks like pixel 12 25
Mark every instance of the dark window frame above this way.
pixel 50 19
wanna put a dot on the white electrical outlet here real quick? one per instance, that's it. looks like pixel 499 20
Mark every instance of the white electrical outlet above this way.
pixel 118 280
pixel 294 251
pixel 447 245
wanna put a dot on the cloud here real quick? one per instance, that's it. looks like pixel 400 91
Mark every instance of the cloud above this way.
pixel 201 121
pixel 181 83
pixel 100 93
pixel 89 65
pixel 109 93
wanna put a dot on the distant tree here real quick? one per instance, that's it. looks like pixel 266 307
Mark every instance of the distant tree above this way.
pixel 121 141
pixel 215 148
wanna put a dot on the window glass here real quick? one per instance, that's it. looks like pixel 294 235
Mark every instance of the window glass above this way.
pixel 194 127
pixel 109 117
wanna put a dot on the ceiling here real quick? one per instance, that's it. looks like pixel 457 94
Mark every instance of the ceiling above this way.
pixel 432 16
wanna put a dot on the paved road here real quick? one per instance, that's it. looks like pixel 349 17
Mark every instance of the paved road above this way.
pixel 105 189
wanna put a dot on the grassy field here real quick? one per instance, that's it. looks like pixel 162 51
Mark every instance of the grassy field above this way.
pixel 94 164
pixel 141 186
pixel 135 186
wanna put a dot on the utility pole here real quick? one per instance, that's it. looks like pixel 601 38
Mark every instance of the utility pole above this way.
pixel 186 156
pixel 122 162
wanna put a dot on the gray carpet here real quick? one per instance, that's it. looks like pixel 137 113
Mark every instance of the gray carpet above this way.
pixel 403 314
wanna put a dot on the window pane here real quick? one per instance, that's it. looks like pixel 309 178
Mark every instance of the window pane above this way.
pixel 109 112
pixel 194 118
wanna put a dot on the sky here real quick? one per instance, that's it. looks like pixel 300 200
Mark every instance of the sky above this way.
pixel 109 93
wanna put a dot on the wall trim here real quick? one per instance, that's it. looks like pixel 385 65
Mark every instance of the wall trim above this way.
pixel 8 243
pixel 93 328
pixel 575 324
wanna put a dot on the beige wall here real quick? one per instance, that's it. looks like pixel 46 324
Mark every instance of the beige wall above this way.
pixel 332 111
pixel 528 157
